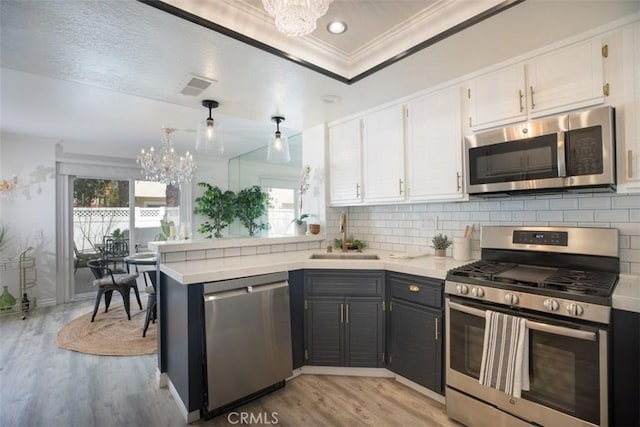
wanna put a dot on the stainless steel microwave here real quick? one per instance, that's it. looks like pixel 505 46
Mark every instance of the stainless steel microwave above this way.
pixel 571 152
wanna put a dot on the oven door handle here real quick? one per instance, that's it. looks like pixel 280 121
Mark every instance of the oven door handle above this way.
pixel 542 327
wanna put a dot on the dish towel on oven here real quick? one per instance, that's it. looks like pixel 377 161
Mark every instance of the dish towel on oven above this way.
pixel 505 353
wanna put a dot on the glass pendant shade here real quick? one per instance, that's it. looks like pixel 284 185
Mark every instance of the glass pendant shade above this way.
pixel 278 146
pixel 209 138
pixel 278 149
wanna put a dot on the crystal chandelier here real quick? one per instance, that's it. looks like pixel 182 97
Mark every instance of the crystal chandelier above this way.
pixel 296 18
pixel 166 166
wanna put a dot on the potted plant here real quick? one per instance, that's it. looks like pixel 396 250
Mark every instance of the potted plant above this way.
pixel 352 243
pixel 300 223
pixel 218 206
pixel 251 204
pixel 440 244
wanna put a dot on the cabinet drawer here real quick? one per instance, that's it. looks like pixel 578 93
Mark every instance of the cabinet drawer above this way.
pixel 344 282
pixel 416 289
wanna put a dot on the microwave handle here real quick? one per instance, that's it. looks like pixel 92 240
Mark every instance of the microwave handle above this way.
pixel 543 327
pixel 562 163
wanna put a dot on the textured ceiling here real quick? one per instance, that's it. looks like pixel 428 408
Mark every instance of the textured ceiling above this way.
pixel 104 76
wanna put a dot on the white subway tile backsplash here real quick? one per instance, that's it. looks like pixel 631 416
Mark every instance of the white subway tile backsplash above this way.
pixel 248 251
pixel 625 202
pixel 578 215
pixel 617 215
pixel 563 204
pixel 265 249
pixel 512 205
pixel 532 205
pixel 583 210
pixel 229 252
pixel 523 216
pixel 196 255
pixel 549 216
pixel 214 253
pixel 595 203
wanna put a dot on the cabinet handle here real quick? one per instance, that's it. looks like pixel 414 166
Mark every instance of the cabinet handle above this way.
pixel 437 334
pixel 531 92
pixel 400 185
pixel 630 164
pixel 346 306
pixel 520 100
pixel 458 181
pixel 341 313
pixel 414 288
pixel 357 191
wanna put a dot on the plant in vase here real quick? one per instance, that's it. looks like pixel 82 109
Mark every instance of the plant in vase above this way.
pixel 218 206
pixel 251 204
pixel 440 244
pixel 300 223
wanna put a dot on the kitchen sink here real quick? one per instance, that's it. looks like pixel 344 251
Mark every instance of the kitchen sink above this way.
pixel 345 256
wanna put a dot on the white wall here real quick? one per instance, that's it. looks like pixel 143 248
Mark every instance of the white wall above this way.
pixel 29 211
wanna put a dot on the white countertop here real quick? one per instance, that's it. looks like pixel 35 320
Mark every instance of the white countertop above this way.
pixel 625 297
pixel 210 270
pixel 627 294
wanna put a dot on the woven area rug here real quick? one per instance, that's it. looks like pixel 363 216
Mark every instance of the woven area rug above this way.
pixel 111 334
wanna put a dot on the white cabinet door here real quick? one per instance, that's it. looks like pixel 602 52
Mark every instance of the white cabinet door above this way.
pixel 629 144
pixel 434 146
pixel 497 98
pixel 383 155
pixel 567 78
pixel 344 163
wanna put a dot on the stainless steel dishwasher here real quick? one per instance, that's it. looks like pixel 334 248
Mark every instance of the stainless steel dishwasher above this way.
pixel 248 338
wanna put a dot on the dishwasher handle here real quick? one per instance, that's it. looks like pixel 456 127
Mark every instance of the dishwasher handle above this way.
pixel 245 290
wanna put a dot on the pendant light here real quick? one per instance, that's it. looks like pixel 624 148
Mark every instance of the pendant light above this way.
pixel 278 147
pixel 209 139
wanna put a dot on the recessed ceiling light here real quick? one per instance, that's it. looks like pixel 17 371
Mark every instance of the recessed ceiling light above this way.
pixel 336 27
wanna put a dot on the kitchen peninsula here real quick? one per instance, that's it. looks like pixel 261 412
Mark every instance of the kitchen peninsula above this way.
pixel 189 270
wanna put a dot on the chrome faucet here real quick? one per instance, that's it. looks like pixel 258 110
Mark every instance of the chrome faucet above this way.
pixel 343 230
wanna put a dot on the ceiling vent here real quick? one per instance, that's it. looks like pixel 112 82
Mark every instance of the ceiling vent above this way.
pixel 195 85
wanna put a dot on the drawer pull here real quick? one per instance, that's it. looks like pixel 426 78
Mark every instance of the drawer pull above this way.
pixel 414 288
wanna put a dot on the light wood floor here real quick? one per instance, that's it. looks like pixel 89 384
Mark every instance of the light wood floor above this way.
pixel 42 385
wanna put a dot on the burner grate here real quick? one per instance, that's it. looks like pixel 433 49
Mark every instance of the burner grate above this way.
pixel 482 269
pixel 581 282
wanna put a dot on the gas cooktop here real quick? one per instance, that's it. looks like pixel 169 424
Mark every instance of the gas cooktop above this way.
pixel 538 279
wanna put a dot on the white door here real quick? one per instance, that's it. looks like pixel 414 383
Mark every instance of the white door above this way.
pixel 383 155
pixel 434 146
pixel 568 78
pixel 345 163
pixel 497 98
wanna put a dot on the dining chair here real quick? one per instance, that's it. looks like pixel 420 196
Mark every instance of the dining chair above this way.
pixel 82 257
pixel 107 281
pixel 115 250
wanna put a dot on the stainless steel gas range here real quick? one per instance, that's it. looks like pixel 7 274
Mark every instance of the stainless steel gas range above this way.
pixel 556 281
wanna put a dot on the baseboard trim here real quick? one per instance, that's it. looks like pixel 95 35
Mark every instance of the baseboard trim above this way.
pixel 347 371
pixel 189 417
pixel 420 389
pixel 162 378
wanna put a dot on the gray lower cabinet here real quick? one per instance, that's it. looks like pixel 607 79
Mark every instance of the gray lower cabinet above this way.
pixel 344 318
pixel 415 329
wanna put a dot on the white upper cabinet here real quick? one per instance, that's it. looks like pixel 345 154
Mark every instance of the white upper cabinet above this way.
pixel 497 98
pixel 564 79
pixel 629 111
pixel 344 163
pixel 434 146
pixel 383 155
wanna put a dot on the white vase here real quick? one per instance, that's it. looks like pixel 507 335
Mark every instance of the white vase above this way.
pixel 301 229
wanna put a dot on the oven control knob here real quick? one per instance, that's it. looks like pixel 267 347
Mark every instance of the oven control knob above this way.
pixel 477 292
pixel 575 309
pixel 511 299
pixel 462 289
pixel 551 304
